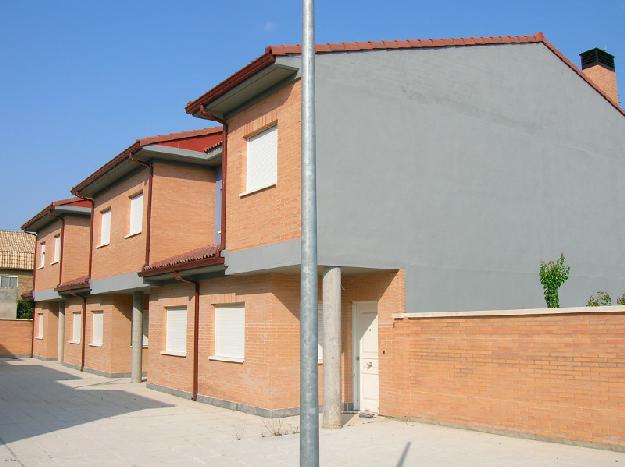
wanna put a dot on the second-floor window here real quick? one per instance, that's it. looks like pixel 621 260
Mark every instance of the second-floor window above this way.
pixel 42 254
pixel 57 249
pixel 105 227
pixel 136 214
pixel 262 160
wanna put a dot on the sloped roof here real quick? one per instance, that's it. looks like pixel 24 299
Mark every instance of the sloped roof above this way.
pixel 17 250
pixel 79 283
pixel 204 256
pixel 49 209
pixel 196 140
pixel 273 51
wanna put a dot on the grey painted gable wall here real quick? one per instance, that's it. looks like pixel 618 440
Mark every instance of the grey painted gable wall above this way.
pixel 467 166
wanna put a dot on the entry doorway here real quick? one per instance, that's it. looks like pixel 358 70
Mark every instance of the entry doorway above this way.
pixel 365 364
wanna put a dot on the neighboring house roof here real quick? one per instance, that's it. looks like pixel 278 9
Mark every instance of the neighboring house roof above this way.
pixel 17 250
pixel 80 283
pixel 74 205
pixel 271 52
pixel 196 140
pixel 205 256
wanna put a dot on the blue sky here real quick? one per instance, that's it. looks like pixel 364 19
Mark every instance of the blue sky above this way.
pixel 81 80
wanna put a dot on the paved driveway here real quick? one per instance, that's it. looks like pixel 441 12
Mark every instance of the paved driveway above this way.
pixel 50 415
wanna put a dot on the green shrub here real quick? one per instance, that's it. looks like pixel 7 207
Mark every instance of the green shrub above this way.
pixel 602 298
pixel 552 275
pixel 621 300
pixel 25 309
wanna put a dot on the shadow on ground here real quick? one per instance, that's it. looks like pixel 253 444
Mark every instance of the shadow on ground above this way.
pixel 34 400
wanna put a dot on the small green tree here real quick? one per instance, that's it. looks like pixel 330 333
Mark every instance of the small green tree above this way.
pixel 552 275
pixel 602 298
pixel 25 309
pixel 621 300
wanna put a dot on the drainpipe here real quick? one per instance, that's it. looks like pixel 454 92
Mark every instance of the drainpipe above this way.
pixel 32 340
pixel 148 219
pixel 196 332
pixel 84 333
pixel 224 171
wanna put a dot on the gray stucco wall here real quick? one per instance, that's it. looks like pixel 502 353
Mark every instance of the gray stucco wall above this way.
pixel 467 166
pixel 8 303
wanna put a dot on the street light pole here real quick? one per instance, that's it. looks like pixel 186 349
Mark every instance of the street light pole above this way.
pixel 309 399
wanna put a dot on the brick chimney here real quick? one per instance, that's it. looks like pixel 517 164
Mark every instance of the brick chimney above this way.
pixel 598 66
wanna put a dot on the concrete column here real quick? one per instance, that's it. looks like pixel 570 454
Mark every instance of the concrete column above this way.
pixel 60 349
pixel 332 405
pixel 137 336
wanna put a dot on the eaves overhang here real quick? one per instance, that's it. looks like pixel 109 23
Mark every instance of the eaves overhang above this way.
pixel 54 211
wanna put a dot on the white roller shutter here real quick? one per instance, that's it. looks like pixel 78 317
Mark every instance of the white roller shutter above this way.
pixel 40 325
pixel 98 328
pixel 146 328
pixel 176 342
pixel 57 249
pixel 262 160
pixel 230 332
pixel 105 227
pixel 320 332
pixel 76 327
pixel 136 214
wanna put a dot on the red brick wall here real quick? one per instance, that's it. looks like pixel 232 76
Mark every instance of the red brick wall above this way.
pixel 47 277
pixel 75 249
pixel 15 337
pixel 46 346
pixel 555 376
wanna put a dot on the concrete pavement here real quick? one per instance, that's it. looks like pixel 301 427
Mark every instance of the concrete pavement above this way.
pixel 51 415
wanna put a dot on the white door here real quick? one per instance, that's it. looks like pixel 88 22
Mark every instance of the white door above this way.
pixel 366 364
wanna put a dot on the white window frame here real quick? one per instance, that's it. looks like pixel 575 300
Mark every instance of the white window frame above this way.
pixel 76 327
pixel 261 160
pixel 42 255
pixel 229 333
pixel 105 235
pixel 135 215
pixel 56 254
pixel 97 328
pixel 173 317
pixel 5 276
pixel 146 328
pixel 40 326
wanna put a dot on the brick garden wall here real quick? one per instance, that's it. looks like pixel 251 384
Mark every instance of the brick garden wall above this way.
pixel 15 337
pixel 559 376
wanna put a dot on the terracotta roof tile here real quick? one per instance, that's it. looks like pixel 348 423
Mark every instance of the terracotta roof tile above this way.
pixel 80 283
pixel 273 51
pixel 204 256
pixel 17 250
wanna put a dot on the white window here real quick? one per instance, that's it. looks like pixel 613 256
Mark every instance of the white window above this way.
pixel 146 328
pixel 230 333
pixel 57 249
pixel 320 332
pixel 136 214
pixel 98 328
pixel 42 255
pixel 176 334
pixel 40 325
pixel 105 227
pixel 8 282
pixel 262 160
pixel 76 327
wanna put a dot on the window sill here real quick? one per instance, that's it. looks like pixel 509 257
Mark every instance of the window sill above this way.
pixel 73 342
pixel 54 262
pixel 174 354
pixel 256 190
pixel 39 338
pixel 95 345
pixel 130 235
pixel 40 267
pixel 226 359
pixel 102 245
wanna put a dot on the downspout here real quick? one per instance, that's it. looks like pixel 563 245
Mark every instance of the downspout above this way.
pixel 224 171
pixel 32 340
pixel 196 332
pixel 148 219
pixel 84 333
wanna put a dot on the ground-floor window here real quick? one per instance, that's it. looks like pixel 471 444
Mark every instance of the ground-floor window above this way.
pixel 40 325
pixel 146 328
pixel 176 331
pixel 76 327
pixel 97 336
pixel 230 332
